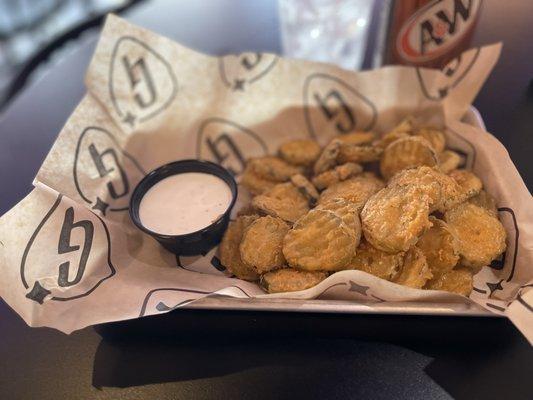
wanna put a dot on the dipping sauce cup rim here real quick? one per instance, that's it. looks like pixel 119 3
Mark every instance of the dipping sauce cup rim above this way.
pixel 176 168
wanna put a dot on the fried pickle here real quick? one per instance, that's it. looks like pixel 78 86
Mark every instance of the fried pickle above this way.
pixel 261 244
pixel 284 201
pixel 481 235
pixel 320 240
pixel 357 189
pixel 291 280
pixel 440 246
pixel 414 271
pixel 406 153
pixel 394 218
pixel 230 255
pixel 302 152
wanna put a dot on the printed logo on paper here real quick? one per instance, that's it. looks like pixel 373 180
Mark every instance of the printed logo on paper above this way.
pixel 141 82
pixel 333 107
pixel 104 174
pixel 435 29
pixel 228 144
pixel 67 256
pixel 453 74
pixel 207 263
pixel 167 299
pixel 240 71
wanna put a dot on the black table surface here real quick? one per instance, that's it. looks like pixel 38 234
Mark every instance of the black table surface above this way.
pixel 211 355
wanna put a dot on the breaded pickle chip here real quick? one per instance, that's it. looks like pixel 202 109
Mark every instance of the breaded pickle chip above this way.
pixel 284 201
pixel 254 183
pixel 443 191
pixel 262 242
pixel 406 153
pixel 272 168
pixel 376 262
pixel 486 201
pixel 302 152
pixel 358 153
pixel 348 213
pixel 337 174
pixel 320 240
pixel 356 190
pixel 415 271
pixel 306 188
pixel 290 280
pixel 394 218
pixel 230 255
pixel 404 129
pixel 434 136
pixel 440 246
pixel 449 160
pixel 456 281
pixel 469 183
pixel 328 157
pixel 357 138
pixel 481 236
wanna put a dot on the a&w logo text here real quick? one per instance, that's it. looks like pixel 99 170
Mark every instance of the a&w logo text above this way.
pixel 435 28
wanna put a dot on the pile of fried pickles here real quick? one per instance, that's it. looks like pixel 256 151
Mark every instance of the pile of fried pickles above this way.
pixel 398 207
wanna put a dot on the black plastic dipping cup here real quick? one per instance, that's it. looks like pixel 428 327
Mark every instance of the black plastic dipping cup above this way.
pixel 194 243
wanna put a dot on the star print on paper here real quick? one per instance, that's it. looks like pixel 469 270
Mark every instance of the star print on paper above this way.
pixel 354 287
pixel 100 205
pixel 129 119
pixel 238 85
pixel 494 286
pixel 38 293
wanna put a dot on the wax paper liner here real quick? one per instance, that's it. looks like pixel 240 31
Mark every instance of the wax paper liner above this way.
pixel 69 255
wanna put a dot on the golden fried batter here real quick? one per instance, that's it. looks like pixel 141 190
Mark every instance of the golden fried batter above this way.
pixel 357 138
pixel 434 136
pixel 403 129
pixel 486 201
pixel 442 190
pixel 290 280
pixel 449 160
pixel 395 217
pixel 337 174
pixel 406 153
pixel 358 154
pixel 440 246
pixel 272 168
pixel 255 184
pixel 469 183
pixel 376 262
pixel 306 188
pixel 261 244
pixel 348 213
pixel 319 241
pixel 456 281
pixel 284 201
pixel 415 271
pixel 357 189
pixel 302 152
pixel 230 256
pixel 328 157
pixel 481 236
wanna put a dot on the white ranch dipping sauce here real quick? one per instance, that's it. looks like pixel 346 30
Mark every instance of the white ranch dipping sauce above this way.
pixel 184 203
